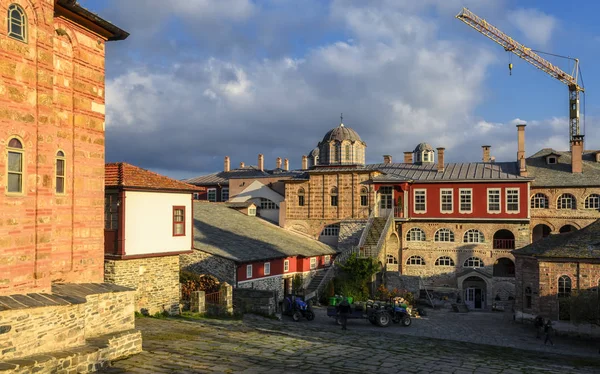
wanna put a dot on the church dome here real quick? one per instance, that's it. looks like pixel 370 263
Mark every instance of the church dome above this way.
pixel 341 133
pixel 423 147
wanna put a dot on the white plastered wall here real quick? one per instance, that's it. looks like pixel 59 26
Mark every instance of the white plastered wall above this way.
pixel 254 192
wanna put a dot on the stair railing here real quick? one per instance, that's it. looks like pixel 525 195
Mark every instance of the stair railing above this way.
pixel 383 234
pixel 363 236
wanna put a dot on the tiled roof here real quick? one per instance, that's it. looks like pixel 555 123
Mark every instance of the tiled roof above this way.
pixel 225 232
pixel 239 204
pixel 341 133
pixel 469 171
pixel 223 177
pixel 559 174
pixel 582 244
pixel 122 174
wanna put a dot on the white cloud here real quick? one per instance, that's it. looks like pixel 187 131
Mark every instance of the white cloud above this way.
pixel 535 25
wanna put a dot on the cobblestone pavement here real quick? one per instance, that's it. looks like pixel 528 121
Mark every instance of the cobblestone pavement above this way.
pixel 258 345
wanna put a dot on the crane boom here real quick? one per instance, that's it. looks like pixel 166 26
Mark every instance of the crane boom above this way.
pixel 510 45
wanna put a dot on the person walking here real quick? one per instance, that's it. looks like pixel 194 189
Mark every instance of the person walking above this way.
pixel 343 310
pixel 548 332
pixel 538 323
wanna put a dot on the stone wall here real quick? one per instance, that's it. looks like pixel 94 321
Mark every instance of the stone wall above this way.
pixel 274 284
pixel 248 300
pixel 155 279
pixel 350 232
pixel 205 263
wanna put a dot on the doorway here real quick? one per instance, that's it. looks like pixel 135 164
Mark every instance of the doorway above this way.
pixel 475 293
pixel 386 200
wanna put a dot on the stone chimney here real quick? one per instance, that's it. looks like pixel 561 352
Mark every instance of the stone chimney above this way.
pixel 286 164
pixel 486 153
pixel 440 164
pixel 227 164
pixel 576 154
pixel 304 162
pixel 387 159
pixel 261 162
pixel 242 165
pixel 278 163
pixel 521 150
pixel 408 157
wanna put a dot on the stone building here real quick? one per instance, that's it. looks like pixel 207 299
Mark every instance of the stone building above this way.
pixel 52 58
pixel 148 223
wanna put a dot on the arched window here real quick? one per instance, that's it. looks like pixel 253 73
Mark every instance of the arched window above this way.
pixel 392 260
pixel 348 151
pixel 415 260
pixel 473 262
pixel 17 23
pixel 60 172
pixel 334 196
pixel 301 197
pixel 566 201
pixel 15 166
pixel 331 230
pixel 473 236
pixel 539 201
pixel 592 201
pixel 444 235
pixel 444 261
pixel 267 204
pixel 415 235
pixel 564 286
pixel 364 196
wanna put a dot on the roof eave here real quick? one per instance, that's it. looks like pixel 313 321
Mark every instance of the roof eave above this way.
pixel 72 10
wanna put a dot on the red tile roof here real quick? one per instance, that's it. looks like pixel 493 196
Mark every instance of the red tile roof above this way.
pixel 122 174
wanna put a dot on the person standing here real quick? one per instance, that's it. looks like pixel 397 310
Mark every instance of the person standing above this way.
pixel 539 325
pixel 548 332
pixel 343 310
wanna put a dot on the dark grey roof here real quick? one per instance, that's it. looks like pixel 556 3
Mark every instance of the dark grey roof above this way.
pixel 559 174
pixel 582 244
pixel 228 233
pixel 314 152
pixel 469 171
pixel 423 147
pixel 223 177
pixel 239 204
pixel 341 133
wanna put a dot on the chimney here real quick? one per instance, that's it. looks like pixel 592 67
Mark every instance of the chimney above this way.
pixel 576 154
pixel 278 163
pixel 486 153
pixel 242 165
pixel 408 157
pixel 387 159
pixel 521 150
pixel 304 162
pixel 286 164
pixel 440 164
pixel 227 164
pixel 261 162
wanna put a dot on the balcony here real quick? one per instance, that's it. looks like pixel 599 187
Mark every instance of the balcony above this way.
pixel 504 243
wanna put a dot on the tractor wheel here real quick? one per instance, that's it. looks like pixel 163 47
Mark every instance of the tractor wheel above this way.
pixel 383 319
pixel 310 315
pixel 296 316
pixel 406 321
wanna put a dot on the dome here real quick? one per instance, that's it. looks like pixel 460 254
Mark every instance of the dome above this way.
pixel 314 152
pixel 423 147
pixel 341 133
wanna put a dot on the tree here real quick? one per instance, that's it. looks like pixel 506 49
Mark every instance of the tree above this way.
pixel 357 273
pixel 585 307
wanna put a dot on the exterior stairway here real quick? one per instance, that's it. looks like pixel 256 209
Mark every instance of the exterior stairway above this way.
pixel 315 282
pixel 372 238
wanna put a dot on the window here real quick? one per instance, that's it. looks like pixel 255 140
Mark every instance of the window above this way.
pixel 248 271
pixel 212 194
pixel 364 197
pixel 592 201
pixel 493 205
pixel 15 166
pixel 301 197
pixel 473 236
pixel 196 196
pixel 444 261
pixel 512 200
pixel 425 157
pixel 327 260
pixel 390 259
pixel 466 200
pixel 225 194
pixel 415 260
pixel 348 153
pixel 386 197
pixel 267 268
pixel 566 201
pixel 415 235
pixel 552 160
pixel 564 286
pixel 286 265
pixel 539 201
pixel 111 212
pixel 331 230
pixel 473 262
pixel 267 204
pixel 313 262
pixel 444 235
pixel 334 196
pixel 178 221
pixel 60 172
pixel 17 23
pixel 420 203
pixel 252 211
pixel 446 201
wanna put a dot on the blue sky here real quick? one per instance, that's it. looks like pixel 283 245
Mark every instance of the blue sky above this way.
pixel 201 79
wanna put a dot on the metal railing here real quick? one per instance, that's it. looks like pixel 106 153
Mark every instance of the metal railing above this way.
pixel 504 243
pixel 213 298
pixel 383 233
pixel 399 212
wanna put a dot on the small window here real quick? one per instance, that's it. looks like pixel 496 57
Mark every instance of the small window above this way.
pixel 552 160
pixel 512 200
pixel 267 268
pixel 444 235
pixel 420 201
pixel 60 172
pixel 267 204
pixel 248 271
pixel 196 196
pixel 334 196
pixel 392 260
pixel 493 200
pixel 539 201
pixel 178 221
pixel 592 201
pixel 446 201
pixel 301 197
pixel 252 211
pixel 564 286
pixel 415 235
pixel 425 156
pixel 473 236
pixel 212 194
pixel 364 197
pixel 111 212
pixel 466 200
pixel 15 166
pixel 566 201
pixel 348 153
pixel 17 23
pixel 415 260
pixel 225 194
pixel 473 262
pixel 444 261
pixel 286 266
pixel 327 260
pixel 331 230
pixel 313 262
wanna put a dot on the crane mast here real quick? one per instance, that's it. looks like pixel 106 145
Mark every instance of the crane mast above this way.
pixel 510 45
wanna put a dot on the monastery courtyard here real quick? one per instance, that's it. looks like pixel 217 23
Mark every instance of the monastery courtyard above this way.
pixel 258 345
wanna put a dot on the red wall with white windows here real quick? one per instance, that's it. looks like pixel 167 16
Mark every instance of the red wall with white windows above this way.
pixel 296 264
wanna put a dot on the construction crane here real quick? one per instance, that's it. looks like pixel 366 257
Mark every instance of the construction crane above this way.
pixel 529 55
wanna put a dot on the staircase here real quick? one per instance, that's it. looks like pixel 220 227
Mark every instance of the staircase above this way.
pixel 313 286
pixel 372 238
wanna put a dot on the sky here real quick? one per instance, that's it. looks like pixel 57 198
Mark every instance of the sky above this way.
pixel 198 80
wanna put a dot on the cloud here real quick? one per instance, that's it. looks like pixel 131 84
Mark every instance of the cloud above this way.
pixel 535 25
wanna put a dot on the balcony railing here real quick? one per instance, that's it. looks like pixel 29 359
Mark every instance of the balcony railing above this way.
pixel 504 243
pixel 398 212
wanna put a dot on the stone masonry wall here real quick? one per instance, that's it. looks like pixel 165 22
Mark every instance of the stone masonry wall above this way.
pixel 350 232
pixel 256 301
pixel 274 283
pixel 205 263
pixel 156 280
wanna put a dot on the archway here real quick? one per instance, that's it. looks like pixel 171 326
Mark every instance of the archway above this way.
pixel 539 232
pixel 504 239
pixel 475 291
pixel 504 267
pixel 567 228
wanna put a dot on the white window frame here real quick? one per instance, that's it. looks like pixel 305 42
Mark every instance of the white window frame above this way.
pixel 472 260
pixel 268 204
pixel 438 235
pixel 248 271
pixel 327 260
pixel 223 190
pixel 592 201
pixel 506 193
pixel 286 266
pixel 499 190
pixel 563 197
pixel 442 195
pixel 252 211
pixel 424 194
pixel 267 268
pixel 537 199
pixel 460 202
pixel 331 230
pixel 214 191
pixel 411 235
pixel 472 234
pixel 447 261
pixel 313 263
pixel 415 260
